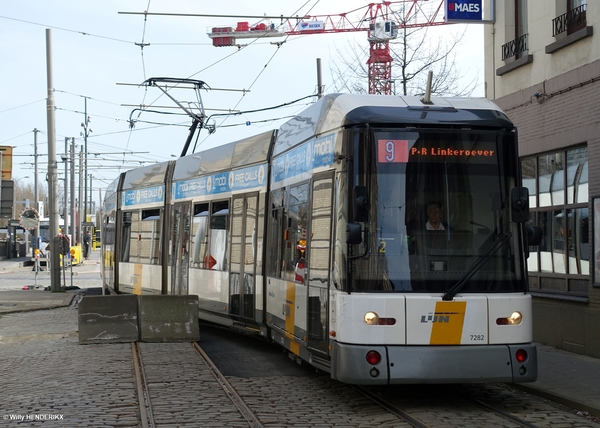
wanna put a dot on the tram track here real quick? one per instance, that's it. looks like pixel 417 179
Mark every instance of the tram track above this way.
pixel 417 423
pixel 144 402
pixel 146 413
pixel 503 414
pixel 248 414
pixel 390 407
pixel 257 398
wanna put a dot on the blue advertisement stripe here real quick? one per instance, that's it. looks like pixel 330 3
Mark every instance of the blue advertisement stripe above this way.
pixel 313 154
pixel 149 195
pixel 240 179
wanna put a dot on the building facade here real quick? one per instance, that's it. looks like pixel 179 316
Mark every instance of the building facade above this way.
pixel 542 67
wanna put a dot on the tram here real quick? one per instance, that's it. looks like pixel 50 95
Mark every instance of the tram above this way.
pixel 316 236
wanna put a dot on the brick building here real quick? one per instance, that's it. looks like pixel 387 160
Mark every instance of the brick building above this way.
pixel 542 66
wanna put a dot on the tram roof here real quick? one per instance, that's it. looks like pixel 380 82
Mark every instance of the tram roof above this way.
pixel 146 176
pixel 338 110
pixel 113 187
pixel 248 151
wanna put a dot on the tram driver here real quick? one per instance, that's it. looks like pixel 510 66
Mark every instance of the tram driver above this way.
pixel 434 217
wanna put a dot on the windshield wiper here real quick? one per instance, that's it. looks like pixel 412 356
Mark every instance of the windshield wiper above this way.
pixel 475 267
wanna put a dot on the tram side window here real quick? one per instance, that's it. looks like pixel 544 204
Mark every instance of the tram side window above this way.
pixel 134 238
pixel 295 244
pixel 219 223
pixel 108 231
pixel 125 233
pixel 275 234
pixel 200 235
pixel 151 236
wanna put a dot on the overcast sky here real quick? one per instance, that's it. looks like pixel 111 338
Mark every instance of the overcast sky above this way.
pixel 97 54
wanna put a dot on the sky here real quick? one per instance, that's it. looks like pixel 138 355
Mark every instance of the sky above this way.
pixel 101 55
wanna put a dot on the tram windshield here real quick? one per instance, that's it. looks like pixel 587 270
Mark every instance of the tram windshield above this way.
pixel 439 205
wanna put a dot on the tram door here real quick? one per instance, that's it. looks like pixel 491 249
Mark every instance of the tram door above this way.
pixel 242 271
pixel 180 248
pixel 319 254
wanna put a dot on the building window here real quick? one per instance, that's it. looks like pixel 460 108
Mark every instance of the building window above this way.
pixel 517 27
pixel 573 20
pixel 596 212
pixel 558 200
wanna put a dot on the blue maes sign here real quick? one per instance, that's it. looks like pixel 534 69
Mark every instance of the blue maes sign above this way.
pixel 464 10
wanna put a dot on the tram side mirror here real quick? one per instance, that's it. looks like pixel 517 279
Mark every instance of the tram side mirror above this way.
pixel 519 197
pixel 534 235
pixel 361 204
pixel 353 234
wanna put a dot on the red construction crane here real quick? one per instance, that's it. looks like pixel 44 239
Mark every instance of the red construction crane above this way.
pixel 375 19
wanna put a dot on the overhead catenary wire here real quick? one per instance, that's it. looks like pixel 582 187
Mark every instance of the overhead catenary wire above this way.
pixel 158 124
pixel 83 33
pixel 251 85
pixel 22 105
pixel 141 45
pixel 95 148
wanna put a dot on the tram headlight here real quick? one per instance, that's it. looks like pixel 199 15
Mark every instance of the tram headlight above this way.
pixel 371 318
pixel 514 319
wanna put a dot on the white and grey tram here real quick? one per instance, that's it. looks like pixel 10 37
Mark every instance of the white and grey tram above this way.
pixel 315 236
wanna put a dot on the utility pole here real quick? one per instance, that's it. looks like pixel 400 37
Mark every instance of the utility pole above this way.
pixel 92 210
pixel 79 228
pixel 36 198
pixel 52 173
pixel 85 133
pixel 75 237
pixel 319 80
pixel 65 159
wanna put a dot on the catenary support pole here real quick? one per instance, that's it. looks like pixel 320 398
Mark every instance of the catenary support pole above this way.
pixel 66 221
pixel 75 238
pixel 86 127
pixel 52 171
pixel 36 198
pixel 80 217
pixel 319 80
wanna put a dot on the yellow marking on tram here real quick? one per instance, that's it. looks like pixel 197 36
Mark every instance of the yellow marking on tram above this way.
pixel 294 347
pixel 137 279
pixel 290 315
pixel 448 322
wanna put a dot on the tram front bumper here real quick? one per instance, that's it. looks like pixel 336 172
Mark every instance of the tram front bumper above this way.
pixel 434 364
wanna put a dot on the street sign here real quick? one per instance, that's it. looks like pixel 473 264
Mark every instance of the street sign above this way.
pixel 29 218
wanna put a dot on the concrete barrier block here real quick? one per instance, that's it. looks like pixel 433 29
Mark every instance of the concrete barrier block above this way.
pixel 166 318
pixel 108 319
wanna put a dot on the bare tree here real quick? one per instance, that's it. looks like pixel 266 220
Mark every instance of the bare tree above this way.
pixel 24 191
pixel 415 51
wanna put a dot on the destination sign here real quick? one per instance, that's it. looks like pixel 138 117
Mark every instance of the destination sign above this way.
pixel 439 151
pixel 392 151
